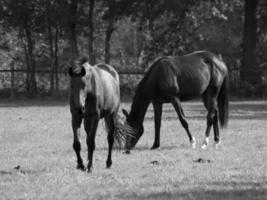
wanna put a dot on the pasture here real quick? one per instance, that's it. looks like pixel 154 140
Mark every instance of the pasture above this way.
pixel 37 160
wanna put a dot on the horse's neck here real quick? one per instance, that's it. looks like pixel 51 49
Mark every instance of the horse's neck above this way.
pixel 91 82
pixel 143 97
pixel 139 107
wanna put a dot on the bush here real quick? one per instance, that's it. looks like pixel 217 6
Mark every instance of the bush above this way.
pixel 247 90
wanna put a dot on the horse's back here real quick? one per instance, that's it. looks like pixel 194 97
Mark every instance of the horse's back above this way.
pixel 109 69
pixel 108 88
pixel 207 57
pixel 186 76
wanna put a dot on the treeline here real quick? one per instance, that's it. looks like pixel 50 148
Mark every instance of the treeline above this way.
pixel 50 34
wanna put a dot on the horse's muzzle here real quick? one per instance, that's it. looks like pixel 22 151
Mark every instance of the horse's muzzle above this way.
pixel 81 111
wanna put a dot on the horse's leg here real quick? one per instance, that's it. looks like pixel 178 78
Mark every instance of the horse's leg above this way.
pixel 90 126
pixel 157 119
pixel 210 103
pixel 216 130
pixel 177 105
pixel 76 124
pixel 110 125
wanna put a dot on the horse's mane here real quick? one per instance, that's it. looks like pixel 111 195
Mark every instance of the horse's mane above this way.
pixel 139 97
pixel 148 71
pixel 82 60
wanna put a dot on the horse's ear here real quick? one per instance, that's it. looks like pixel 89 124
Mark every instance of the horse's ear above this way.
pixel 125 113
pixel 83 72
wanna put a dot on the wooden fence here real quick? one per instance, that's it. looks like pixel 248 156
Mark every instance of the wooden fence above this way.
pixel 234 76
pixel 13 72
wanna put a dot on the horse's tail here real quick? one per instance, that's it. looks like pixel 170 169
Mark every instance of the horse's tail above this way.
pixel 121 131
pixel 223 102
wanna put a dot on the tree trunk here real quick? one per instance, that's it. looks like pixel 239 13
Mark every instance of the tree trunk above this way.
pixel 56 57
pixel 249 71
pixel 150 47
pixel 29 48
pixel 51 49
pixel 109 32
pixel 12 91
pixel 91 33
pixel 31 62
pixel 139 43
pixel 27 65
pixel 72 29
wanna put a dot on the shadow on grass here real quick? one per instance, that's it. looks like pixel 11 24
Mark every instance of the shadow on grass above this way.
pixel 242 194
pixel 32 102
pixel 138 148
pixel 255 116
pixel 19 170
pixel 237 110
pixel 194 111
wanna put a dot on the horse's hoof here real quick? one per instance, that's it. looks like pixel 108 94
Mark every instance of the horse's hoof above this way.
pixel 217 144
pixel 81 167
pixel 108 165
pixel 89 171
pixel 154 146
pixel 204 146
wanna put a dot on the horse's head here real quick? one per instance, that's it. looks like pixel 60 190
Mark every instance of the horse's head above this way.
pixel 137 127
pixel 77 70
pixel 77 84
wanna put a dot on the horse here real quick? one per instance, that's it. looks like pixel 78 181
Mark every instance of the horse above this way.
pixel 95 94
pixel 173 79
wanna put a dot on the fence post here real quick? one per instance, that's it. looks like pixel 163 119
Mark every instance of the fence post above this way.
pixel 12 81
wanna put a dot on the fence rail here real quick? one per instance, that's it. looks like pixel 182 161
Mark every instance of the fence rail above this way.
pixel 11 73
pixel 121 72
pixel 10 81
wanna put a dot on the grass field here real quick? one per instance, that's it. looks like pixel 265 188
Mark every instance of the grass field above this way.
pixel 37 160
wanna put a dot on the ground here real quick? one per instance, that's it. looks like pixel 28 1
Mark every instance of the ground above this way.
pixel 37 160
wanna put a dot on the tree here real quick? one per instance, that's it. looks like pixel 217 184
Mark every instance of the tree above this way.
pixel 91 32
pixel 110 17
pixel 25 16
pixel 249 65
pixel 51 44
pixel 155 21
pixel 54 21
pixel 72 24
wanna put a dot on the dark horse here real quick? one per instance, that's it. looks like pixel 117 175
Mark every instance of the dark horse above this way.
pixel 180 78
pixel 94 94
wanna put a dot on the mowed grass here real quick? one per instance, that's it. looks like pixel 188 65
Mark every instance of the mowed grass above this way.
pixel 37 160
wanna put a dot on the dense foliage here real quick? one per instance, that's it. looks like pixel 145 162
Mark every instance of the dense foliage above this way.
pixel 46 35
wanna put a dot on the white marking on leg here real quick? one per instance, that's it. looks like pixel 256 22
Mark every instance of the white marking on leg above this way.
pixel 217 144
pixel 205 143
pixel 193 142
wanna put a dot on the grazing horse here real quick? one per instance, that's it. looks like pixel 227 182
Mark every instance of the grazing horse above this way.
pixel 180 78
pixel 94 94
